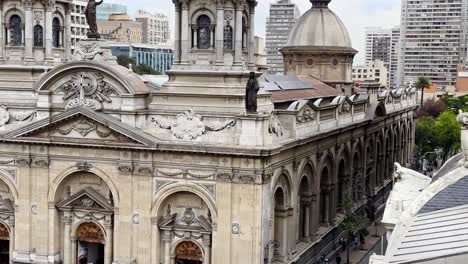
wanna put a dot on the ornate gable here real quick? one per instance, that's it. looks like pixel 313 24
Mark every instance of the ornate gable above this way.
pixel 86 199
pixel 84 127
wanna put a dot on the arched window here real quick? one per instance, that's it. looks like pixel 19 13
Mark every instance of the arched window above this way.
pixel 38 36
pixel 228 37
pixel 56 32
pixel 204 32
pixel 16 32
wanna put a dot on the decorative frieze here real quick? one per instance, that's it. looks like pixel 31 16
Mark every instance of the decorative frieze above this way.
pixel 42 163
pixel 275 126
pixel 145 170
pixel 125 169
pixel 83 165
pixel 190 126
pixel 23 161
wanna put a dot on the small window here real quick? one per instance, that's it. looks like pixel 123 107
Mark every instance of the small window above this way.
pixel 38 36
pixel 228 37
pixel 56 32
pixel 16 32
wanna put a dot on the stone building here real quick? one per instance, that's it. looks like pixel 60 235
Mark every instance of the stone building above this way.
pixel 374 71
pixel 155 27
pixel 98 165
pixel 121 28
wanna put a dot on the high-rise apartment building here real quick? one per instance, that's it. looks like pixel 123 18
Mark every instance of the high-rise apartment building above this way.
pixel 382 45
pixel 433 36
pixel 79 27
pixel 104 10
pixel 283 16
pixel 120 28
pixel 155 27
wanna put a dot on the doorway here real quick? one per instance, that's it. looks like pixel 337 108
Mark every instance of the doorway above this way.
pixel 4 244
pixel 90 244
pixel 188 252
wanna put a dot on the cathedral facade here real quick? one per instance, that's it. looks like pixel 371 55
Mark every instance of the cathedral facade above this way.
pixel 99 166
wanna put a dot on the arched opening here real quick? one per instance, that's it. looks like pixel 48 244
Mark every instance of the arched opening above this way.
pixel 203 32
pixel 56 32
pixel 188 252
pixel 388 163
pixel 343 189
pixel 90 244
pixel 184 215
pixel 378 165
pixel 325 190
pixel 4 244
pixel 304 209
pixel 356 185
pixel 80 197
pixel 370 169
pixel 38 36
pixel 280 226
pixel 15 31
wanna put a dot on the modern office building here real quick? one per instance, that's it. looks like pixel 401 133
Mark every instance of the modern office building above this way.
pixel 104 10
pixel 79 27
pixel 159 57
pixel 155 27
pixel 433 36
pixel 382 45
pixel 120 28
pixel 283 16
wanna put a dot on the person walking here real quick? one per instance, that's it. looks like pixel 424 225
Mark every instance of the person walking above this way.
pixel 338 259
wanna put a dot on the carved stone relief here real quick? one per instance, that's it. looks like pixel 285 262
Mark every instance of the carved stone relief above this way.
pixel 84 126
pixel 189 126
pixel 10 120
pixel 275 126
pixel 307 115
pixel 88 50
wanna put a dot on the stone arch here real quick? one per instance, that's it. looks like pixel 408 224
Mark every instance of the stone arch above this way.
pixel 200 12
pixel 76 225
pixel 126 81
pixel 14 11
pixel 71 170
pixel 176 243
pixel 357 173
pixel 379 159
pixel 167 191
pixel 326 213
pixel 343 177
pixel 304 205
pixel 6 178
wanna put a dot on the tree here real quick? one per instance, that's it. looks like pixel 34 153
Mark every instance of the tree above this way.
pixel 125 61
pixel 447 132
pixel 144 69
pixel 422 83
pixel 431 108
pixel 455 103
pixel 352 223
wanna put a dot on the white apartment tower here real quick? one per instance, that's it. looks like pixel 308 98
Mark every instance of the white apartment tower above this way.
pixel 282 18
pixel 155 27
pixel 433 37
pixel 79 27
pixel 382 45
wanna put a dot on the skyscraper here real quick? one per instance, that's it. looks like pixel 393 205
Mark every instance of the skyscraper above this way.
pixel 283 16
pixel 433 36
pixel 382 44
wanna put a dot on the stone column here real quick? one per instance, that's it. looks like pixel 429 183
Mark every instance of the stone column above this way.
pixel 220 32
pixel 195 39
pixel 28 32
pixel 307 221
pixel 2 36
pixel 238 35
pixel 155 238
pixel 49 57
pixel 313 212
pixel 67 36
pixel 67 254
pixel 11 223
pixel 177 33
pixel 207 244
pixel 212 37
pixel 332 207
pixel 109 242
pixel 251 47
pixel 167 247
pixel 185 43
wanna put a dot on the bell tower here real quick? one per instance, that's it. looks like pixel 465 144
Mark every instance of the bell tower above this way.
pixel 214 54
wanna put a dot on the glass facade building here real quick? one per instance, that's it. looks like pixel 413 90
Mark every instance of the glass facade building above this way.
pixel 157 57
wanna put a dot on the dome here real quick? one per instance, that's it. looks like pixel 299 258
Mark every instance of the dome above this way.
pixel 319 27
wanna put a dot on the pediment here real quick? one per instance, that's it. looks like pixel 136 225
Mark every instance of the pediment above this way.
pixel 82 127
pixel 187 220
pixel 86 199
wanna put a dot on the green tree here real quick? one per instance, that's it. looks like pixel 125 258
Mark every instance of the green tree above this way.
pixel 447 132
pixel 145 69
pixel 455 103
pixel 426 140
pixel 421 84
pixel 431 108
pixel 125 61
pixel 353 223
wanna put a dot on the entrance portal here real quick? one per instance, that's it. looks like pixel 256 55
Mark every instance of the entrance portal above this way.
pixel 90 246
pixel 188 252
pixel 4 244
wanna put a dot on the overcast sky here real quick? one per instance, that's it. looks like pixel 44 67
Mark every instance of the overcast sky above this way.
pixel 356 14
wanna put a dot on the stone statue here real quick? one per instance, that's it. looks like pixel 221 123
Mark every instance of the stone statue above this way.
pixel 91 18
pixel 251 94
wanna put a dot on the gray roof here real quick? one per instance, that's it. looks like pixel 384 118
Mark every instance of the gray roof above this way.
pixel 433 235
pixel 319 27
pixel 452 196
